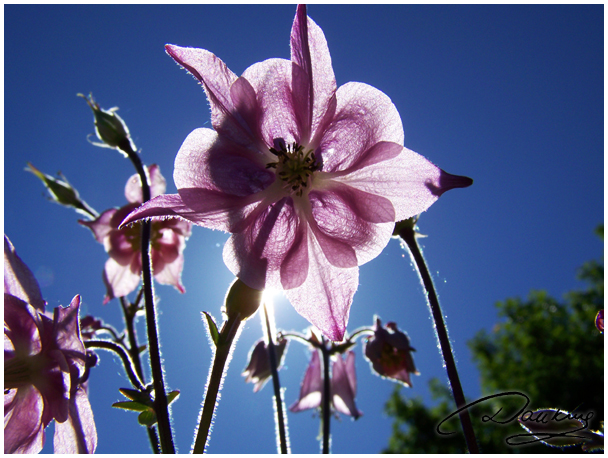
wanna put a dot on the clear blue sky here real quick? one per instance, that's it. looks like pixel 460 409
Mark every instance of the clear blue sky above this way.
pixel 511 96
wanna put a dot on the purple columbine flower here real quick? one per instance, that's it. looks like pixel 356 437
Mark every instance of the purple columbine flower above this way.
pixel 309 178
pixel 343 386
pixel 258 369
pixel 122 272
pixel 389 353
pixel 44 368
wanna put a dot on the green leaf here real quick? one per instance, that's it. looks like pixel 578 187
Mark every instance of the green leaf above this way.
pixel 212 329
pixel 135 395
pixel 131 405
pixel 172 396
pixel 147 418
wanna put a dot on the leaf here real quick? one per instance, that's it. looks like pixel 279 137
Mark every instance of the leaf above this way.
pixel 172 396
pixel 147 418
pixel 212 328
pixel 136 395
pixel 131 405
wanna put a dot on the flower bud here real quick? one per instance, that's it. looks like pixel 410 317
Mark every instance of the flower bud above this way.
pixel 258 370
pixel 62 192
pixel 242 300
pixel 109 127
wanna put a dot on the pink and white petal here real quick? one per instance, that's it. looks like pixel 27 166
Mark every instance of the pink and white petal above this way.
pixel 23 425
pixel 312 386
pixel 101 226
pixel 364 116
pixel 217 80
pixel 344 385
pixel 271 80
pixel 21 327
pixel 324 299
pixel 67 329
pixel 19 279
pixel 294 268
pixel 247 110
pixel 120 280
pixel 256 253
pixel 350 218
pixel 78 433
pixel 409 181
pixel 313 79
pixel 158 185
pixel 171 273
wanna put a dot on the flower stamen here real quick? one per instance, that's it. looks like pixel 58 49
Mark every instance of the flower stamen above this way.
pixel 295 166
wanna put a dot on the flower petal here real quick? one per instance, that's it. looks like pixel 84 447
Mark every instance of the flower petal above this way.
pixel 312 386
pixel 158 185
pixel 23 426
pixel 324 299
pixel 313 80
pixel 21 327
pixel 19 279
pixel 121 280
pixel 101 226
pixel 344 385
pixel 256 253
pixel 78 433
pixel 364 116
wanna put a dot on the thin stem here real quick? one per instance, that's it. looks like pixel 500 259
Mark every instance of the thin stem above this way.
pixel 161 406
pixel 362 330
pixel 325 409
pixel 131 334
pixel 124 356
pixel 408 234
pixel 296 336
pixel 214 382
pixel 280 416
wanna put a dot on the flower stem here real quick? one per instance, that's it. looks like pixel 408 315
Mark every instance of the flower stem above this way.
pixel 408 234
pixel 325 406
pixel 161 405
pixel 221 357
pixel 124 356
pixel 283 440
pixel 132 336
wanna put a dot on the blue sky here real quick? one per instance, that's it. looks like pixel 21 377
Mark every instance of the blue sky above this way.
pixel 511 96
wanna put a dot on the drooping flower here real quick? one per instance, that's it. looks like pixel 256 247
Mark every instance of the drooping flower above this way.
pixel 309 178
pixel 44 368
pixel 389 353
pixel 343 386
pixel 122 272
pixel 258 369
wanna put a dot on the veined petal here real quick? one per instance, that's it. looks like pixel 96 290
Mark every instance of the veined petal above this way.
pixel 351 223
pixel 217 80
pixel 19 279
pixel 256 253
pixel 313 80
pixel 325 297
pixel 78 433
pixel 23 426
pixel 21 326
pixel 271 80
pixel 344 385
pixel 158 185
pixel 409 181
pixel 364 116
pixel 312 386
pixel 121 280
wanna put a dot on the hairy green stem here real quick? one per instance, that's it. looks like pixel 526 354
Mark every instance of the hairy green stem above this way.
pixel 408 234
pixel 161 406
pixel 124 356
pixel 221 357
pixel 283 440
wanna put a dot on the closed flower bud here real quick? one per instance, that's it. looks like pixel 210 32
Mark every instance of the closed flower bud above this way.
pixel 242 299
pixel 258 369
pixel 62 192
pixel 109 127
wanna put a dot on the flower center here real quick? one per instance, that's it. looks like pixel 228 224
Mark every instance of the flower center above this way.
pixel 133 235
pixel 294 167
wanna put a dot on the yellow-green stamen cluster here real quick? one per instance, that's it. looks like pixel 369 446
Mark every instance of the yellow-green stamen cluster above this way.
pixel 294 166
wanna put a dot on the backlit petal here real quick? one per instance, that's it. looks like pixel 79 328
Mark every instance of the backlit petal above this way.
pixel 312 386
pixel 19 279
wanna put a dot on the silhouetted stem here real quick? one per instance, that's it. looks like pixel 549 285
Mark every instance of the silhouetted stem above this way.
pixel 283 440
pixel 124 356
pixel 325 406
pixel 132 336
pixel 408 234
pixel 161 405
pixel 214 382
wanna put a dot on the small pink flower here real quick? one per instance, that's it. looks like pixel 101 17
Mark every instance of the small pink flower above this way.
pixel 258 369
pixel 343 386
pixel 599 321
pixel 309 178
pixel 44 366
pixel 122 272
pixel 389 353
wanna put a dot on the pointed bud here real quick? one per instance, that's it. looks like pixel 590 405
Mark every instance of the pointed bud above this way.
pixel 258 370
pixel 62 192
pixel 110 128
pixel 242 300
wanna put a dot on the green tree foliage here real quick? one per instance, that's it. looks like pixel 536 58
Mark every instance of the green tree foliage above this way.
pixel 548 349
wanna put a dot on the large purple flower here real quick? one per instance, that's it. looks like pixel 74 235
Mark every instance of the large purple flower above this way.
pixel 309 178
pixel 44 367
pixel 122 272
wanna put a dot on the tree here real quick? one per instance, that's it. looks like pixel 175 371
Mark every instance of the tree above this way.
pixel 547 349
